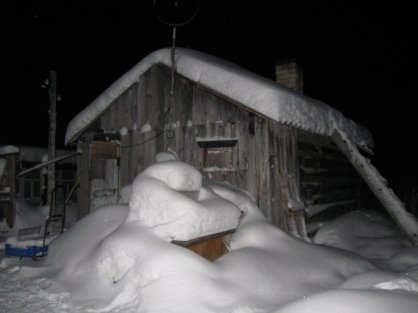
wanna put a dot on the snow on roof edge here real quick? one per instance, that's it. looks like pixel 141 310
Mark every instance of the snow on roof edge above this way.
pixel 254 91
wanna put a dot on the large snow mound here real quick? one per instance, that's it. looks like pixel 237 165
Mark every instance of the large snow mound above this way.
pixel 111 261
pixel 177 175
pixel 253 91
pixel 173 215
pixel 366 233
pixel 354 301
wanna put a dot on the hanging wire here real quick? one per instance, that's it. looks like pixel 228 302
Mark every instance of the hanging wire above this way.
pixel 175 9
pixel 170 132
pixel 147 140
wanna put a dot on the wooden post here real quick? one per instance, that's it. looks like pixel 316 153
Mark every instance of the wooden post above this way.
pixel 288 181
pixel 52 134
pixel 378 186
pixel 8 188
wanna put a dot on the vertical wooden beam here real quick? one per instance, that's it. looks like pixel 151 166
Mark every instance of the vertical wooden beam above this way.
pixel 288 171
pixel 261 169
pixel 83 168
pixel 8 188
pixel 52 134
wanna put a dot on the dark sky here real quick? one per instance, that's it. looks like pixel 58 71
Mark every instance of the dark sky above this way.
pixel 358 57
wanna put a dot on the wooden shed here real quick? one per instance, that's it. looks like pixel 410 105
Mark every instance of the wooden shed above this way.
pixel 231 124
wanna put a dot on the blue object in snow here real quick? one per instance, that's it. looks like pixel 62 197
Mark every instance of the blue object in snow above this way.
pixel 31 251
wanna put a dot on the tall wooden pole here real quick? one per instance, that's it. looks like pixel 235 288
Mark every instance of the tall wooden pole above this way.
pixel 378 185
pixel 52 133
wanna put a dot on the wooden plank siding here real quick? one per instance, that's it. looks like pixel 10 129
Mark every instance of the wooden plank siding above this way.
pixel 328 182
pixel 83 166
pixel 289 214
pixel 197 114
pixel 275 163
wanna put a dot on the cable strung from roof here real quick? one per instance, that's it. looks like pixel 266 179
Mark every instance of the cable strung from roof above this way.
pixel 174 13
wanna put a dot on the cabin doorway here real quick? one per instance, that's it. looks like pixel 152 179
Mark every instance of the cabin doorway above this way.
pixel 104 174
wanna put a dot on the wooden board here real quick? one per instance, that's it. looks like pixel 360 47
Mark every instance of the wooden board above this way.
pixel 101 150
pixel 210 247
pixel 83 193
pixel 282 179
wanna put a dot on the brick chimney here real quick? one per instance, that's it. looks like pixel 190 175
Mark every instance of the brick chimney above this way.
pixel 290 74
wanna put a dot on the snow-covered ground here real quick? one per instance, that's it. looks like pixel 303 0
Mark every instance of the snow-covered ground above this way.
pixel 30 215
pixel 119 258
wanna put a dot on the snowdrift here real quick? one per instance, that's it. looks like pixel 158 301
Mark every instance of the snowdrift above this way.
pixel 157 202
pixel 120 259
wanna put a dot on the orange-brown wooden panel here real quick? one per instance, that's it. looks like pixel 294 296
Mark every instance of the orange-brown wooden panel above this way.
pixel 210 247
pixel 100 150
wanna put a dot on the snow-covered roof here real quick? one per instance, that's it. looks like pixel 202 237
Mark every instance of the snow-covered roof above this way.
pixel 8 150
pixel 34 154
pixel 255 92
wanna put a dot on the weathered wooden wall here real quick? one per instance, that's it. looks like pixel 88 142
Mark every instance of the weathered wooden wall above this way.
pixel 198 116
pixel 279 166
pixel 328 183
pixel 201 122
pixel 284 183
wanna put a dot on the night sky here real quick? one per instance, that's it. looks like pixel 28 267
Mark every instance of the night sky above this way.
pixel 359 57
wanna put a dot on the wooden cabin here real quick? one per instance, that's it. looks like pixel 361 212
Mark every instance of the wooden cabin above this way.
pixel 231 124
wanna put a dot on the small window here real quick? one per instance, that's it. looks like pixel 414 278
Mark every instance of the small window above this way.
pixel 218 158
